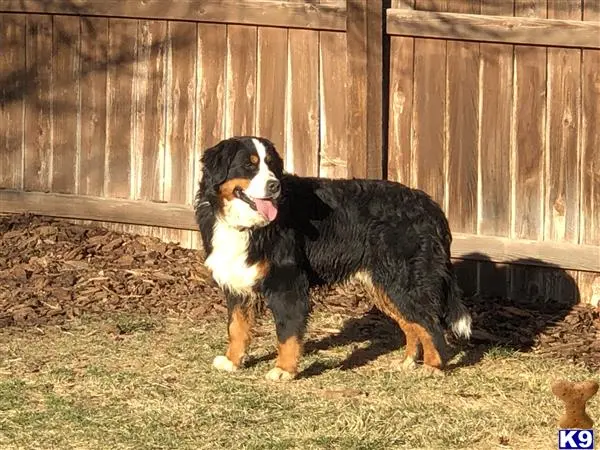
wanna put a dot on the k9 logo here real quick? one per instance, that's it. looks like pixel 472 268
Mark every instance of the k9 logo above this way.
pixel 575 439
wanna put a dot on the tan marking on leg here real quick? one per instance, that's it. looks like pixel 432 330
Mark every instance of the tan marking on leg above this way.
pixel 431 357
pixel 289 354
pixel 286 367
pixel 227 188
pixel 387 306
pixel 239 334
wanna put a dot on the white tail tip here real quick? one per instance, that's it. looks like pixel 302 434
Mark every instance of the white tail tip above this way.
pixel 462 327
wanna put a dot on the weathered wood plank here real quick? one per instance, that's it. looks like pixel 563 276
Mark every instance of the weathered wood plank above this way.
pixel 484 28
pixel 119 211
pixel 326 16
pixel 94 66
pixel 120 107
pixel 334 134
pixel 528 252
pixel 160 214
pixel 494 199
pixel 179 180
pixel 150 100
pixel 590 156
pixel 496 112
pixel 564 100
pixel 241 80
pixel 12 84
pixel 303 113
pixel 463 128
pixel 38 104
pixel 400 133
pixel 357 80
pixel 364 91
pixel 462 84
pixel 374 145
pixel 561 221
pixel 529 144
pixel 271 85
pixel 181 109
pixel 65 104
pixel 210 113
pixel 429 110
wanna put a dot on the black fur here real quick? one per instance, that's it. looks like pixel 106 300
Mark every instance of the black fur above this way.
pixel 328 230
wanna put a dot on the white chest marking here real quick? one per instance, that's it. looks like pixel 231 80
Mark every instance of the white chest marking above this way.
pixel 228 260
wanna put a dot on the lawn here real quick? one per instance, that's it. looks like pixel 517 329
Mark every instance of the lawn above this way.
pixel 146 382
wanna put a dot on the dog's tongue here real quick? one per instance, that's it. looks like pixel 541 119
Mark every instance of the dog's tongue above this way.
pixel 266 208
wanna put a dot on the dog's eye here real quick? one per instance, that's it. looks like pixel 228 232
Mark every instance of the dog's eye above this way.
pixel 250 166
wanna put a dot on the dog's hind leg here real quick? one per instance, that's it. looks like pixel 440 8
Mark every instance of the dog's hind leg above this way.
pixel 419 334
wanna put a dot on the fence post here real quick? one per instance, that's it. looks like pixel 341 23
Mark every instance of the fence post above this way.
pixel 364 26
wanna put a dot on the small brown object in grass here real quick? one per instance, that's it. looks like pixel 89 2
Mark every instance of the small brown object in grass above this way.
pixel 575 396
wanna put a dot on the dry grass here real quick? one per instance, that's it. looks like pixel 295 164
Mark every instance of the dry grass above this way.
pixel 139 383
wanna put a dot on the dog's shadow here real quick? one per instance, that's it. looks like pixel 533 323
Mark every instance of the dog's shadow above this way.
pixel 501 319
pixel 382 334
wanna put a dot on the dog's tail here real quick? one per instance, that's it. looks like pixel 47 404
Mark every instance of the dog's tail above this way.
pixel 457 315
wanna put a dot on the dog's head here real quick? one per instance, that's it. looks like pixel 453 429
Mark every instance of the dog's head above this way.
pixel 241 178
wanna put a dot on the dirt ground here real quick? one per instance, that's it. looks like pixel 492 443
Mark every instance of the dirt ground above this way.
pixel 52 271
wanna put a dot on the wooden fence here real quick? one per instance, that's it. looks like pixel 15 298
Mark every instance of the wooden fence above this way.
pixel 491 107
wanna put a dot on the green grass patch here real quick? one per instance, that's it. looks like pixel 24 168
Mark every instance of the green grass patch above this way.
pixel 144 384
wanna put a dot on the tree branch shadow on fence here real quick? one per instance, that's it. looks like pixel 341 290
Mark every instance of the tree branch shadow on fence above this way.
pixel 498 322
pixel 30 83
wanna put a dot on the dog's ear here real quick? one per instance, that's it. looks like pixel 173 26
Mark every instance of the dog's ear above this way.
pixel 216 161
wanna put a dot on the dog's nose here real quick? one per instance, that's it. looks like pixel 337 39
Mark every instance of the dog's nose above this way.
pixel 273 187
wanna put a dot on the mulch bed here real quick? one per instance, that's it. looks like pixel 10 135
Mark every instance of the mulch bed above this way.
pixel 54 270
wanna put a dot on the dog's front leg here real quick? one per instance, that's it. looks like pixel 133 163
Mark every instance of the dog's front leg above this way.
pixel 241 320
pixel 287 298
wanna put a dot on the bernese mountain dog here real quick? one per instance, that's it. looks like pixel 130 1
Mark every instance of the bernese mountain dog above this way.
pixel 271 235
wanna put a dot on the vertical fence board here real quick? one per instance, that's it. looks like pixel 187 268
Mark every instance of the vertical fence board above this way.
pixel 65 103
pixel 562 196
pixel 356 36
pixel 150 104
pixel 94 66
pixel 180 142
pixel 120 106
pixel 364 25
pixel 462 78
pixel 400 105
pixel 333 129
pixel 429 111
pixel 179 158
pixel 303 76
pixel 590 161
pixel 561 221
pixel 241 79
pixel 463 127
pixel 210 115
pixel 271 85
pixel 374 111
pixel 530 120
pixel 38 104
pixel 495 148
pixel 12 89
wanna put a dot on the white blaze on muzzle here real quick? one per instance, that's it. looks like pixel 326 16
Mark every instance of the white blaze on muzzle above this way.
pixel 258 190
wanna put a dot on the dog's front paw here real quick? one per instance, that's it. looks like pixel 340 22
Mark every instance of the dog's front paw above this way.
pixel 277 374
pixel 409 363
pixel 222 362
pixel 430 371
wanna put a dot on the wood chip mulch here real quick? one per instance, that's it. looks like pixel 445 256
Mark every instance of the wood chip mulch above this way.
pixel 55 270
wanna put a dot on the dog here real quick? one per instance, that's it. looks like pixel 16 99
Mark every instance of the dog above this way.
pixel 271 235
